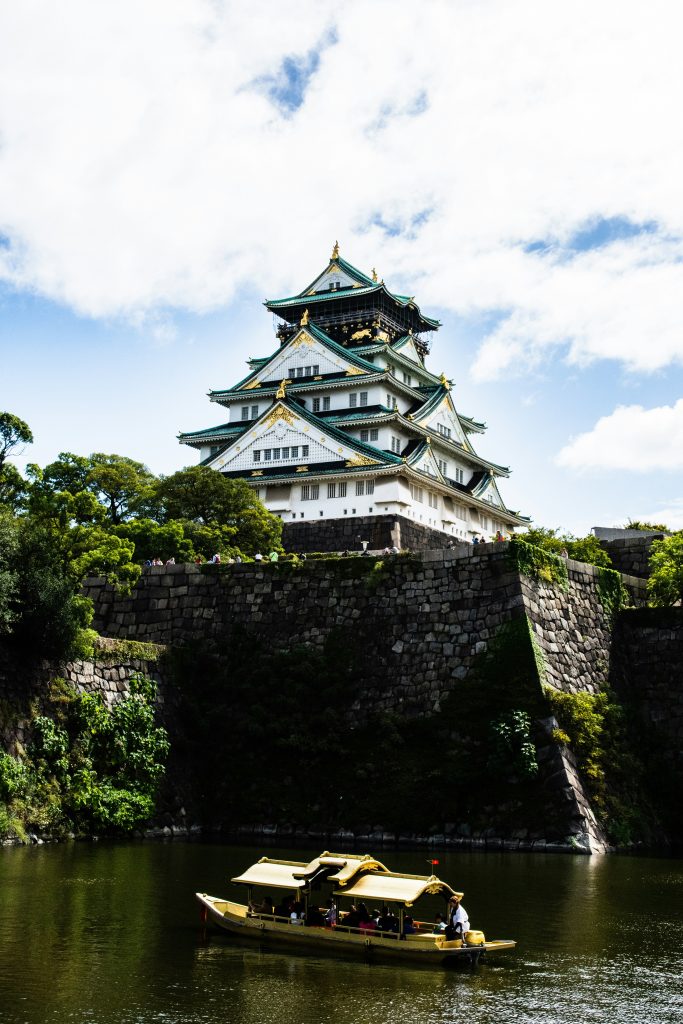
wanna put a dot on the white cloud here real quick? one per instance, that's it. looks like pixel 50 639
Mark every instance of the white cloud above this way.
pixel 141 170
pixel 631 438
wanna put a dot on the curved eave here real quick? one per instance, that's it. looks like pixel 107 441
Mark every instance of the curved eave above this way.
pixel 471 426
pixel 374 375
pixel 302 301
pixel 465 497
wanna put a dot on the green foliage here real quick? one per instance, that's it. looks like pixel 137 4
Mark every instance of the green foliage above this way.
pixel 642 524
pixel 127 650
pixel 14 433
pixel 537 563
pixel 597 728
pixel 611 591
pixel 8 570
pixel 582 549
pixel 89 768
pixel 123 486
pixel 511 746
pixel 218 513
pixel 665 585
pixel 154 540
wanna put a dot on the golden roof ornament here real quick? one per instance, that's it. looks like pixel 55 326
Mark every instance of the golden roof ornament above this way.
pixel 304 318
pixel 445 382
pixel 335 251
pixel 374 274
pixel 280 393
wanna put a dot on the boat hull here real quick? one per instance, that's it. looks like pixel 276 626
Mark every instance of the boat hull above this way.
pixel 422 948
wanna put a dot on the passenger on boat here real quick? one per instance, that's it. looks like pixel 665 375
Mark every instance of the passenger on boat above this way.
pixel 314 919
pixel 439 924
pixel 458 921
pixel 352 919
pixel 331 914
pixel 408 925
pixel 372 923
pixel 363 915
pixel 264 907
pixel 284 907
pixel 388 922
pixel 297 913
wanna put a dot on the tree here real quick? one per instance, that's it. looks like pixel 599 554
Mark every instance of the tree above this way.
pixel 642 524
pixel 207 502
pixel 123 486
pixel 13 433
pixel 582 549
pixel 8 573
pixel 665 585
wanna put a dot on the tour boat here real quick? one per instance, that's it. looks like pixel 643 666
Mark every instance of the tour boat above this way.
pixel 340 882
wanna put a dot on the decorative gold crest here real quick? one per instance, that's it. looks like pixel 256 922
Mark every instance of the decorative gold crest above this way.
pixel 335 251
pixel 366 333
pixel 355 371
pixel 280 393
pixel 257 472
pixel 445 382
pixel 360 460
pixel 304 318
pixel 302 469
pixel 280 412
pixel 255 383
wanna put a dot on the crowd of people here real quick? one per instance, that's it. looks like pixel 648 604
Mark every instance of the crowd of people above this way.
pixel 454 924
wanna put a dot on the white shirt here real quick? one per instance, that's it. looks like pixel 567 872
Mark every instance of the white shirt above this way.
pixel 459 918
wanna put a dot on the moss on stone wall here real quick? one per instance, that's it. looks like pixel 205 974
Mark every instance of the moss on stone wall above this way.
pixel 106 650
pixel 537 564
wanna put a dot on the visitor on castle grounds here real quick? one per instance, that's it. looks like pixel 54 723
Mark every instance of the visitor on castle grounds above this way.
pixel 564 553
pixel 238 559
pixel 499 537
pixel 394 550
pixel 258 557
pixel 148 562
pixel 157 561
pixel 387 550
pixel 170 561
pixel 216 560
pixel 476 540
pixel 198 560
pixel 273 556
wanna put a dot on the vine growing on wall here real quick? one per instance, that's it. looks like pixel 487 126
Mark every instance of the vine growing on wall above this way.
pixel 537 564
pixel 90 768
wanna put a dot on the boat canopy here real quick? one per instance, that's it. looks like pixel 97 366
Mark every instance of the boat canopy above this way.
pixel 388 887
pixel 288 874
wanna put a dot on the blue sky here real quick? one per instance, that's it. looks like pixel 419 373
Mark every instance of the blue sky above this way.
pixel 497 161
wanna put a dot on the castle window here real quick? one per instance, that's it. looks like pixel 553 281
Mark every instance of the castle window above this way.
pixel 374 434
pixel 395 445
pixel 266 454
pixel 295 452
pixel 352 401
pixel 331 490
pixel 304 451
pixel 306 492
pixel 315 492
pixel 444 431
pixel 363 398
pixel 316 405
pixel 360 487
pixel 415 492
pixel 326 403
pixel 291 372
pixel 276 453
pixel 432 499
pixel 254 411
pixel 316 370
pixel 407 379
pixel 257 456
pixel 369 486
pixel 214 448
pixel 245 412
pixel 285 453
pixel 364 434
pixel 459 476
pixel 308 371
pixel 342 492
pixel 443 467
pixel 299 371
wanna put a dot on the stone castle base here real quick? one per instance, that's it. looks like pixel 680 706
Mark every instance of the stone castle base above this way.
pixel 348 534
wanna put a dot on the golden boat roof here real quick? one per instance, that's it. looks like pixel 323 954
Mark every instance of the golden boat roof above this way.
pixel 291 874
pixel 389 887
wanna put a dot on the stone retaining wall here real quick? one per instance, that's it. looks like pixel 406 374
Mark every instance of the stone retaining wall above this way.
pixel 347 534
pixel 631 555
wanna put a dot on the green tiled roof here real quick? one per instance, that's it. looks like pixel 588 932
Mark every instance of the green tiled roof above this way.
pixel 306 300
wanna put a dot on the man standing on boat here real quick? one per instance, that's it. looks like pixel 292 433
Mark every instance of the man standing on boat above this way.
pixel 458 921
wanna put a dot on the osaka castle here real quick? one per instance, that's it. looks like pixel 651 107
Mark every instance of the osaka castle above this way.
pixel 344 419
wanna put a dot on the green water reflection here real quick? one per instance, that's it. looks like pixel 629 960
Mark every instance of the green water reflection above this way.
pixel 110 933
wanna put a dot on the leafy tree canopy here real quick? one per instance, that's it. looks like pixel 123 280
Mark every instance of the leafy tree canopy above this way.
pixel 642 524
pixel 665 585
pixel 582 549
pixel 14 433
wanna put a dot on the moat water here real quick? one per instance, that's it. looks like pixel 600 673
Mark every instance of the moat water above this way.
pixel 110 934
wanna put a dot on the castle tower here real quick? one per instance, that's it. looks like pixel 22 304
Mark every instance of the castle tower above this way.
pixel 344 419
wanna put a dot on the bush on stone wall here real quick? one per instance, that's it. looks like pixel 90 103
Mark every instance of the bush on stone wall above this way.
pixel 89 768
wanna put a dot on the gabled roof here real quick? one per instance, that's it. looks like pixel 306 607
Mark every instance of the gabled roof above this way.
pixel 338 262
pixel 259 373
pixel 390 887
pixel 367 453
